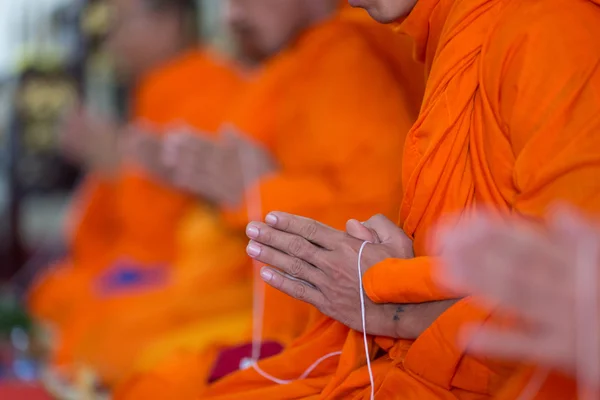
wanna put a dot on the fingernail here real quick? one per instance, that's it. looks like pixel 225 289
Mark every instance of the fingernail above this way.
pixel 271 220
pixel 252 231
pixel 253 250
pixel 266 274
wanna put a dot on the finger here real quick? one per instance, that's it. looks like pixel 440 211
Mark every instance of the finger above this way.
pixel 309 229
pixel 499 270
pixel 292 287
pixel 239 141
pixel 499 248
pixel 290 244
pixel 385 229
pixel 357 230
pixel 179 126
pixel 172 146
pixel 292 266
pixel 230 132
pixel 230 135
pixel 570 225
pixel 510 345
pixel 508 267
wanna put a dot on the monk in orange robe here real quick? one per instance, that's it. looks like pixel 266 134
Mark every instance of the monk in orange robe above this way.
pixel 128 219
pixel 325 130
pixel 537 275
pixel 497 128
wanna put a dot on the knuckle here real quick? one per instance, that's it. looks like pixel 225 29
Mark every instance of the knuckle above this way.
pixel 284 222
pixel 296 267
pixel 309 231
pixel 299 291
pixel 336 275
pixel 296 246
pixel 266 236
pixel 277 284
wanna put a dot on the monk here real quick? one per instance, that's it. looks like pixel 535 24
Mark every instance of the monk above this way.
pixel 497 128
pixel 128 221
pixel 536 275
pixel 303 138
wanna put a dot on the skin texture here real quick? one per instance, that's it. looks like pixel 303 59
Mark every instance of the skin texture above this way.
pixel 316 265
pixel 385 11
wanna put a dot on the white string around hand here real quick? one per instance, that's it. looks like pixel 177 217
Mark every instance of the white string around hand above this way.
pixel 363 315
pixel 248 163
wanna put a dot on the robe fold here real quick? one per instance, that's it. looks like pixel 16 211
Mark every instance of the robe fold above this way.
pixel 336 140
pixel 509 120
pixel 123 284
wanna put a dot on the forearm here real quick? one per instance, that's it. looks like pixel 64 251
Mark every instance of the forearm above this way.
pixel 411 320
pixel 406 321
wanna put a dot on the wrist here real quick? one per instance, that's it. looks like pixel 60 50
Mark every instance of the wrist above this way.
pixel 392 322
pixel 411 320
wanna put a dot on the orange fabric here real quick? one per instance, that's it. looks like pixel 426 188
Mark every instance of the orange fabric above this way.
pixel 497 127
pixel 141 220
pixel 345 172
pixel 548 386
pixel 336 140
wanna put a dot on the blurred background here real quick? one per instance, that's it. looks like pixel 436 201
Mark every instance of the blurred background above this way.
pixel 51 51
pixel 51 54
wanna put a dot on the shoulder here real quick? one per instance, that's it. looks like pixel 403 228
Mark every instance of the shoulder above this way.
pixel 548 28
pixel 538 45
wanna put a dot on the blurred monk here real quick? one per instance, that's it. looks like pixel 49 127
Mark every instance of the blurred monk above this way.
pixel 127 220
pixel 333 141
pixel 496 128
pixel 536 275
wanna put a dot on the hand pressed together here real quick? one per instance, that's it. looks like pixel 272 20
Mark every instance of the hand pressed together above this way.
pixel 317 264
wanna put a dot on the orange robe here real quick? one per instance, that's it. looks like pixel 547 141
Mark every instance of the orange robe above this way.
pixel 137 219
pixel 337 142
pixel 509 120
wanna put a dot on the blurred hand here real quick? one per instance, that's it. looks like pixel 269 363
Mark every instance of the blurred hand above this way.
pixel 217 170
pixel 549 279
pixel 92 142
pixel 143 147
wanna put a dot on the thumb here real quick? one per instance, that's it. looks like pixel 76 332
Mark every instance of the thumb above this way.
pixel 385 229
pixel 356 229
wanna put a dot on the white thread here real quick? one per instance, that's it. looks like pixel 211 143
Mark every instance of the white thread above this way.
pixel 303 376
pixel 363 315
pixel 254 212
